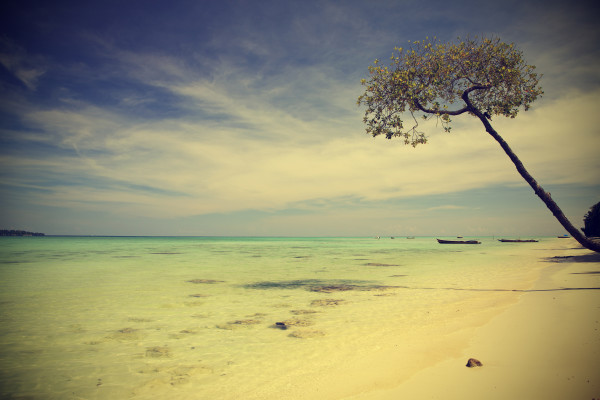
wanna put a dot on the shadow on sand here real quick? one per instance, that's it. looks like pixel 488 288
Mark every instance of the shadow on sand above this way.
pixel 585 258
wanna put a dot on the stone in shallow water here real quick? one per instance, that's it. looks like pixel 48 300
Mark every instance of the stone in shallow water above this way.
pixel 283 325
pixel 474 363
pixel 280 325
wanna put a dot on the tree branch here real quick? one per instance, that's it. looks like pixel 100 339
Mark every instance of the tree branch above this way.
pixel 447 112
pixel 465 95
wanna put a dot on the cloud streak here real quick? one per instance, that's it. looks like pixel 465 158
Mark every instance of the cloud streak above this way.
pixel 271 159
pixel 26 68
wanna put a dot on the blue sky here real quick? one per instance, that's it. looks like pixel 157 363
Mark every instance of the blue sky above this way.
pixel 240 118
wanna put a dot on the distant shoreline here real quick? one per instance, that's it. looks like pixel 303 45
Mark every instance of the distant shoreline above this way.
pixel 15 232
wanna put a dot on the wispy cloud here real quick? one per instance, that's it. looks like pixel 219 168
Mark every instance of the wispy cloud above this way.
pixel 220 168
pixel 24 67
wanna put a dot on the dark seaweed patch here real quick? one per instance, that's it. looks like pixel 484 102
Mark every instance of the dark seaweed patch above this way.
pixel 319 285
pixel 372 264
pixel 303 312
pixel 300 283
pixel 344 288
pixel 327 302
pixel 158 352
pixel 209 281
pixel 233 325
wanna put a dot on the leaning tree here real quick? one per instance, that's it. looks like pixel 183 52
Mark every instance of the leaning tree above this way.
pixel 480 77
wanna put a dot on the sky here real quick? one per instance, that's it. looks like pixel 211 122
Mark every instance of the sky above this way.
pixel 239 117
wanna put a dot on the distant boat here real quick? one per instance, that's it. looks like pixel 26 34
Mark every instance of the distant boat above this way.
pixel 442 241
pixel 564 237
pixel 410 237
pixel 518 240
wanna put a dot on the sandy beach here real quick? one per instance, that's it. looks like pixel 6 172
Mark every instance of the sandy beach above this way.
pixel 546 346
pixel 529 312
pixel 536 342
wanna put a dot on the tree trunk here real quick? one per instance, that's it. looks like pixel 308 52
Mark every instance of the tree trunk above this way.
pixel 542 194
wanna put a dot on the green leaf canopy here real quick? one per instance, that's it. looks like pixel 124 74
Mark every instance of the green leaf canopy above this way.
pixel 430 78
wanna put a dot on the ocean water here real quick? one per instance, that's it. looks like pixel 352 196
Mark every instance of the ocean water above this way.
pixel 225 318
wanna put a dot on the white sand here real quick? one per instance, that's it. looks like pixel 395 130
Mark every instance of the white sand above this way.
pixel 547 346
pixel 542 343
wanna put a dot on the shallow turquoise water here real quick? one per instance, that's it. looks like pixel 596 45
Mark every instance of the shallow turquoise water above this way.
pixel 195 318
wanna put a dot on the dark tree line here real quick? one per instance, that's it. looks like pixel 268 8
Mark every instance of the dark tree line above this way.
pixel 14 232
pixel 592 222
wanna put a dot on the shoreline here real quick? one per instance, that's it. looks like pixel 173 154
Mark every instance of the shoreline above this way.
pixel 546 346
pixel 385 368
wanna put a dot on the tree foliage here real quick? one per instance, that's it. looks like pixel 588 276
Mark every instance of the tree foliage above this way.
pixel 592 221
pixel 429 78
